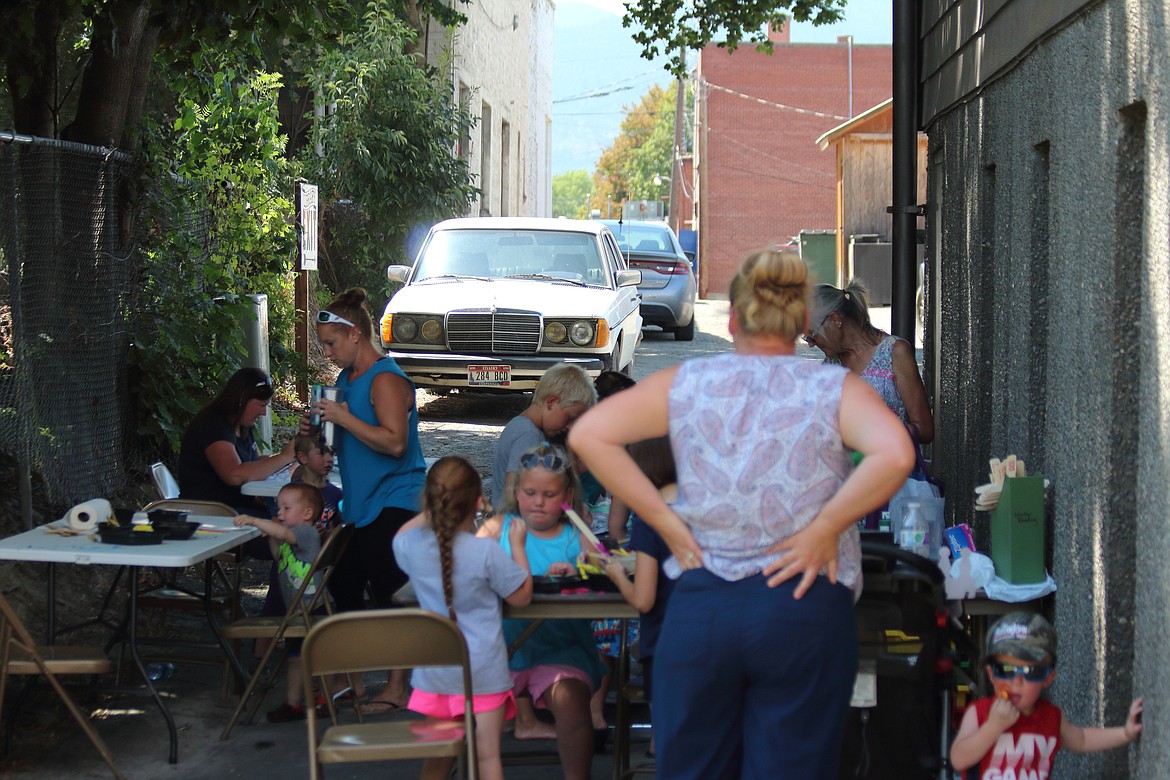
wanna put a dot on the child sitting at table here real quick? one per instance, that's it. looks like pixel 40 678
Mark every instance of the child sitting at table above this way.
pixel 558 663
pixel 463 577
pixel 1016 733
pixel 294 544
pixel 650 589
pixel 315 459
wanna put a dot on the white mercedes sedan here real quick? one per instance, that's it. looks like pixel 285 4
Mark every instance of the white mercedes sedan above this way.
pixel 491 303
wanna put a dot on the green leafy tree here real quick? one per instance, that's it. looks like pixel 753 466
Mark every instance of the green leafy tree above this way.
pixel 568 193
pixel 672 26
pixel 80 69
pixel 388 142
pixel 222 232
pixel 625 172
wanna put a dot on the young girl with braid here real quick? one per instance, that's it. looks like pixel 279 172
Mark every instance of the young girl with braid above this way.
pixel 463 577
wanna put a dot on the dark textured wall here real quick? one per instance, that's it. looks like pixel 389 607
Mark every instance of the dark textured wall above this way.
pixel 1048 230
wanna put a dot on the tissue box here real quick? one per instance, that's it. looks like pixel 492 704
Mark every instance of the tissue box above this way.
pixel 1017 531
pixel 958 537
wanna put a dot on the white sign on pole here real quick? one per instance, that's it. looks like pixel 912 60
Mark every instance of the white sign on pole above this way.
pixel 308 194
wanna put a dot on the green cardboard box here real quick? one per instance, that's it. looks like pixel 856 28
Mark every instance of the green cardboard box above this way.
pixel 1017 531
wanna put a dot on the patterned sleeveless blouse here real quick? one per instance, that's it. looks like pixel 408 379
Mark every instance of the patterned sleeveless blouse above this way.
pixel 879 375
pixel 758 453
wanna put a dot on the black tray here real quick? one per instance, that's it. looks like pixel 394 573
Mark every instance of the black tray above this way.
pixel 547 584
pixel 601 583
pixel 131 539
pixel 176 531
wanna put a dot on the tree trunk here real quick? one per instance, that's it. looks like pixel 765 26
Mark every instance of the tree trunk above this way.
pixel 32 78
pixel 123 44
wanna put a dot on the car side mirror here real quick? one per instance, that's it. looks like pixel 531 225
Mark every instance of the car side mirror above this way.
pixel 397 273
pixel 628 278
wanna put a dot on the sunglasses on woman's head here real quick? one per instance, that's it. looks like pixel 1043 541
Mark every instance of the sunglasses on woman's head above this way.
pixel 551 461
pixel 329 318
pixel 1032 673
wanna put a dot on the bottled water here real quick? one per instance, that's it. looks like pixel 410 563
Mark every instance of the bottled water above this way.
pixel 914 535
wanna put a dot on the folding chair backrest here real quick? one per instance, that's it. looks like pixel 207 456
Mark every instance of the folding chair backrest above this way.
pixel 193 505
pixel 368 640
pixel 305 604
pixel 383 639
pixel 164 481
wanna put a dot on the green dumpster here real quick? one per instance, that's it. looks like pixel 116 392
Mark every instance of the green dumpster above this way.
pixel 819 250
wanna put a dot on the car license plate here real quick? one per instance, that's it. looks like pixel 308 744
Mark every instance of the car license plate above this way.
pixel 489 376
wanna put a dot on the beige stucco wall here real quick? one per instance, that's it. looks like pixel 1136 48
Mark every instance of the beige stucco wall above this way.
pixel 504 56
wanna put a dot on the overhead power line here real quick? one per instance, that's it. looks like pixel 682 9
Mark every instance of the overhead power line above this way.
pixel 763 102
pixel 607 89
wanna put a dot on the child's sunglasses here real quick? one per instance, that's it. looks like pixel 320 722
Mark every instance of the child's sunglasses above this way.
pixel 551 461
pixel 1036 673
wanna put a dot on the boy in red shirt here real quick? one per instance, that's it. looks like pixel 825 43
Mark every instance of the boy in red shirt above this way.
pixel 1016 733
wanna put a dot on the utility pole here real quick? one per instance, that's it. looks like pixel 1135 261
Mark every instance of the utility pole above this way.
pixel 675 169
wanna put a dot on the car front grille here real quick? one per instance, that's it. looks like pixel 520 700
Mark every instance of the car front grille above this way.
pixel 478 332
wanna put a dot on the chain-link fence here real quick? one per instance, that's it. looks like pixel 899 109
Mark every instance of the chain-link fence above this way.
pixel 69 261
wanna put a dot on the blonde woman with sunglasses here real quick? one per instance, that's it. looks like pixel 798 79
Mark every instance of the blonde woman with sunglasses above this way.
pixel 376 442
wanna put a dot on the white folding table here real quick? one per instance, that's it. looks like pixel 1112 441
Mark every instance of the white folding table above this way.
pixel 215 535
pixel 270 486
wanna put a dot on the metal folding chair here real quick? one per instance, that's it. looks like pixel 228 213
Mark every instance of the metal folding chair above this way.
pixel 357 642
pixel 295 624
pixel 21 655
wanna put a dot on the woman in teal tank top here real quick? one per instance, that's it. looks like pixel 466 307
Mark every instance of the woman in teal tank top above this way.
pixel 382 468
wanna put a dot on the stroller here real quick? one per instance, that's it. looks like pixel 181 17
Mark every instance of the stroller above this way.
pixel 900 723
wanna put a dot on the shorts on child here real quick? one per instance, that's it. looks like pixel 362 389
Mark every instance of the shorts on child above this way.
pixel 450 705
pixel 539 679
pixel 607 633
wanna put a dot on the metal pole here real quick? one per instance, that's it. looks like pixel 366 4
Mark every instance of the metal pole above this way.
pixel 905 164
pixel 675 168
pixel 849 44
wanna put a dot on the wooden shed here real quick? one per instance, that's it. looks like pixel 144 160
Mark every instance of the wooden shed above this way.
pixel 864 148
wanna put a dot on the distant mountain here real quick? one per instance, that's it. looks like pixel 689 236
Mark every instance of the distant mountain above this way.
pixel 597 69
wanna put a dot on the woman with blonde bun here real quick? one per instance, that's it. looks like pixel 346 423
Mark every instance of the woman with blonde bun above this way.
pixel 758 650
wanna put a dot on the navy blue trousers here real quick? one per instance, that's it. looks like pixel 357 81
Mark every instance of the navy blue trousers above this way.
pixel 750 683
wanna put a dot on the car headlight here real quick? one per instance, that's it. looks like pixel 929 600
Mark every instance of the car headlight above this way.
pixel 581 333
pixel 405 329
pixel 555 332
pixel 432 330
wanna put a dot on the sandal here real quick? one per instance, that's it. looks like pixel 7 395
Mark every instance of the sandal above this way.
pixel 379 707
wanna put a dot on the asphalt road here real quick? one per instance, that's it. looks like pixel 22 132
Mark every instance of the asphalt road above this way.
pixel 469 424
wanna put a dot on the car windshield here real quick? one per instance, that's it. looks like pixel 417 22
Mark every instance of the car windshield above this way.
pixel 573 257
pixel 644 237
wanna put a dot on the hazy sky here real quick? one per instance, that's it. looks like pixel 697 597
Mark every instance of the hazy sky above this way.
pixel 868 21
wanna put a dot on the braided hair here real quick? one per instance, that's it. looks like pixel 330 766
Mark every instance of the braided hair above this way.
pixel 450 497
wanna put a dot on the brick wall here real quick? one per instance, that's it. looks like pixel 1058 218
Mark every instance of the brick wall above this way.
pixel 762 178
